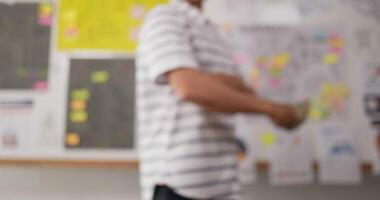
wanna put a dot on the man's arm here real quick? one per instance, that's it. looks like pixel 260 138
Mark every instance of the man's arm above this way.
pixel 211 92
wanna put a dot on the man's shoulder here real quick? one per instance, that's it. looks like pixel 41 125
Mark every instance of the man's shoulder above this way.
pixel 163 10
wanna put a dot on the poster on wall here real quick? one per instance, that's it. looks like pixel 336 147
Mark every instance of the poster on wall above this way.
pixel 339 160
pixel 16 123
pixel 291 160
pixel 100 104
pixel 291 64
pixel 25 45
pixel 101 24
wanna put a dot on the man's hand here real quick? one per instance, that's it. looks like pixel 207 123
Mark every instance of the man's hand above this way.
pixel 284 116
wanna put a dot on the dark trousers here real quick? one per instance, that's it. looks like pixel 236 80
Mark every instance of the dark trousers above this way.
pixel 166 193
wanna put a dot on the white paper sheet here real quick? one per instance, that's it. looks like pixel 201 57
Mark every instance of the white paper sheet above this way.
pixel 16 124
pixel 339 159
pixel 291 161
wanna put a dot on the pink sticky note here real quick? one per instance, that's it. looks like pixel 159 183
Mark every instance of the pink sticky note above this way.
pixel 45 20
pixel 240 58
pixel 274 83
pixel 40 85
pixel 336 50
pixel 335 36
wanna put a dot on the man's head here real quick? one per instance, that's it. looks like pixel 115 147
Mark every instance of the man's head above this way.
pixel 196 3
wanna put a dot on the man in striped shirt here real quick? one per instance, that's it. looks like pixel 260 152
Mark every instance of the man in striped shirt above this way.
pixel 188 90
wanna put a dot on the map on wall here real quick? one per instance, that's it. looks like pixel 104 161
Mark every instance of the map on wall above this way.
pixel 100 104
pixel 25 45
pixel 101 24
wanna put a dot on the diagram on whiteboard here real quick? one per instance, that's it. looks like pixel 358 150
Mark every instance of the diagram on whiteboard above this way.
pixel 100 106
pixel 25 45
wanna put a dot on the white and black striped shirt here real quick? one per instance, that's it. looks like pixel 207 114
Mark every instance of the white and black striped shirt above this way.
pixel 180 144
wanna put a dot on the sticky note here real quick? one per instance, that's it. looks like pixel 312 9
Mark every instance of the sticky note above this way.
pixel 138 12
pixel 262 62
pixel 336 50
pixel 80 94
pixel 336 43
pixel 315 114
pixel 331 59
pixel 134 33
pixel 255 73
pixel 78 105
pixel 40 85
pixel 100 77
pixel 275 71
pixel 281 60
pixel 268 139
pixel 45 16
pixel 320 37
pixel 72 139
pixel 78 116
pixel 21 72
pixel 46 8
pixel 274 83
pixel 328 88
pixel 240 58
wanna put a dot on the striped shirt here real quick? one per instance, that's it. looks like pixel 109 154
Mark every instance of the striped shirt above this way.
pixel 180 144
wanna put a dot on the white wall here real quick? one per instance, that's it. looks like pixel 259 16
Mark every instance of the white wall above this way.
pixel 92 184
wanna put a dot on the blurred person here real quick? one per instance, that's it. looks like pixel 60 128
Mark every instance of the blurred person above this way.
pixel 188 90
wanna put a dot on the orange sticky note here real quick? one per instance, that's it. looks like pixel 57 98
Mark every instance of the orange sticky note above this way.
pixel 72 139
pixel 78 105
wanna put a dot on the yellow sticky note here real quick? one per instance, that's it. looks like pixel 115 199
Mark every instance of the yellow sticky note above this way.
pixel 78 116
pixel 80 94
pixel 268 139
pixel 315 114
pixel 72 139
pixel 331 59
pixel 281 60
pixel 255 73
pixel 78 105
pixel 100 77
pixel 46 9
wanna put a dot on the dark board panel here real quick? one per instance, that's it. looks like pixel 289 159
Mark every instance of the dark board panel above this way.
pixel 100 108
pixel 24 45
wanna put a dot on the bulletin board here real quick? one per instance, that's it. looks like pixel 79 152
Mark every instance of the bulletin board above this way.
pixel 61 89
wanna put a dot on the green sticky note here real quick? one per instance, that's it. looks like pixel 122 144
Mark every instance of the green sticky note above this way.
pixel 268 139
pixel 78 116
pixel 80 94
pixel 21 72
pixel 275 71
pixel 100 77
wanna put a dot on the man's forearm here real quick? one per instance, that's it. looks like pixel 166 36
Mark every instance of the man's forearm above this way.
pixel 216 95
